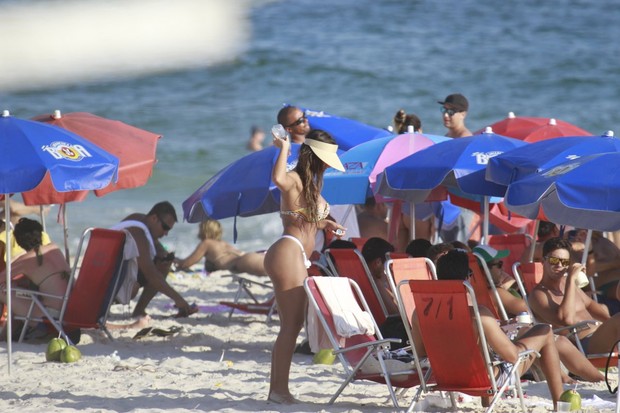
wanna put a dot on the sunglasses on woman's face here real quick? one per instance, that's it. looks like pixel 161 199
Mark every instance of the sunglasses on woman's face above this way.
pixel 564 262
pixel 497 264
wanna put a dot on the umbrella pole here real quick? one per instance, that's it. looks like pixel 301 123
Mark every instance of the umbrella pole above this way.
pixel 65 230
pixel 9 324
pixel 412 218
pixel 485 221
pixel 42 218
pixel 534 240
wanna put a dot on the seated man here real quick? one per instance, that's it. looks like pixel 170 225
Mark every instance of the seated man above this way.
pixel 558 300
pixel 153 260
pixel 220 255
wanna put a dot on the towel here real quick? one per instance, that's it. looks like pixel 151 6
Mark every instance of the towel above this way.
pixel 130 257
pixel 349 319
pixel 143 227
pixel 130 269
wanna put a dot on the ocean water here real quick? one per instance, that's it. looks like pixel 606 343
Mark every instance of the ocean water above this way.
pixel 202 72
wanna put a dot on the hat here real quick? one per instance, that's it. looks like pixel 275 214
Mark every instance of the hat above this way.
pixel 456 101
pixel 489 254
pixel 326 152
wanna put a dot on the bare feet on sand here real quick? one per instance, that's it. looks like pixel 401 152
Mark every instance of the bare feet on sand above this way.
pixel 282 399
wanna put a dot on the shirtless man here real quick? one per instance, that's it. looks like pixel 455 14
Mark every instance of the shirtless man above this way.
pixel 153 261
pixel 295 122
pixel 220 254
pixel 454 111
pixel 558 300
pixel 372 219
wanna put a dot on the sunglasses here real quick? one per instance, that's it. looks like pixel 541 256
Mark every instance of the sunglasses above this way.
pixel 299 121
pixel 164 226
pixel 497 264
pixel 564 262
pixel 450 112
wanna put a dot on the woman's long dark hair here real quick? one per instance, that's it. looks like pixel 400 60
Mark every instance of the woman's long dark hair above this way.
pixel 28 234
pixel 310 169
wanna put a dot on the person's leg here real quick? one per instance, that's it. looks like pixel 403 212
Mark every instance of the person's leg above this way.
pixel 605 336
pixel 540 338
pixel 284 264
pixel 252 263
pixel 575 361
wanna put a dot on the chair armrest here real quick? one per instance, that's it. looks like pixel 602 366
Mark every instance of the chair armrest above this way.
pixel 576 328
pixel 526 353
pixel 26 293
pixel 369 344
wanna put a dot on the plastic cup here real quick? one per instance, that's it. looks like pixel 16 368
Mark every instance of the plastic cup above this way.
pixel 563 407
pixel 582 280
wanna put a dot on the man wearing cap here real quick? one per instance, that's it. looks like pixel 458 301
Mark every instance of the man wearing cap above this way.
pixel 454 111
pixel 512 302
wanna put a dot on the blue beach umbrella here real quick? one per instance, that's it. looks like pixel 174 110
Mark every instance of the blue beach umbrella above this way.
pixel 458 164
pixel 583 192
pixel 347 132
pixel 365 161
pixel 542 155
pixel 243 188
pixel 28 151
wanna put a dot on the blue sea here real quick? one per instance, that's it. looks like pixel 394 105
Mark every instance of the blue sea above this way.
pixel 202 72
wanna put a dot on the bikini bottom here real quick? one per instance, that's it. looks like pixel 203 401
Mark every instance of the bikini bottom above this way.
pixel 307 262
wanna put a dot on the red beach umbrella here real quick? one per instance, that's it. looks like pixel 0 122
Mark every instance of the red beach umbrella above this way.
pixel 134 147
pixel 533 129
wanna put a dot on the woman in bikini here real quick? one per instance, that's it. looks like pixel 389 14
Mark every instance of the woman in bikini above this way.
pixel 303 212
pixel 44 267
pixel 221 255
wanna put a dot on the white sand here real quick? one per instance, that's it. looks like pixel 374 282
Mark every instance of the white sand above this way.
pixel 213 365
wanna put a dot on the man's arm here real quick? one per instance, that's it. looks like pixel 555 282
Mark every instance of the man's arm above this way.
pixel 150 271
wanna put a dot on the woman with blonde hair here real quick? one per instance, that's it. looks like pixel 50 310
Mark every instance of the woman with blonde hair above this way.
pixel 219 254
pixel 303 212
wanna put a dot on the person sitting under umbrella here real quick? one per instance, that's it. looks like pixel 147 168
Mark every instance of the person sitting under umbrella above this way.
pixel 220 255
pixel 41 267
pixel 153 260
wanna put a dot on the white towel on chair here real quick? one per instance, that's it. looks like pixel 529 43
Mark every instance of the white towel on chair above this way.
pixel 349 318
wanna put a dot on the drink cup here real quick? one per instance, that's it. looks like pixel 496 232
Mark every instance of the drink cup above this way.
pixel 279 132
pixel 582 279
pixel 524 318
pixel 563 407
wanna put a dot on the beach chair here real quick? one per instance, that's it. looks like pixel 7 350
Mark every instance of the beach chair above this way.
pixel 483 285
pixel 399 272
pixel 91 287
pixel 253 306
pixel 350 263
pixel 364 355
pixel 359 242
pixel 517 244
pixel 455 343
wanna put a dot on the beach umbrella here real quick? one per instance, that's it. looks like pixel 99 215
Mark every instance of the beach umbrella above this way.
pixel 365 161
pixel 243 188
pixel 347 132
pixel 534 129
pixel 582 192
pixel 135 148
pixel 520 162
pixel 458 164
pixel 30 151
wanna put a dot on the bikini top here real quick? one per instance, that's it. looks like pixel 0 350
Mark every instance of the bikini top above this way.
pixel 302 213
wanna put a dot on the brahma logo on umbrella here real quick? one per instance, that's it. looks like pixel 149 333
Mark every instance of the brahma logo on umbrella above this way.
pixel 63 150
pixel 482 158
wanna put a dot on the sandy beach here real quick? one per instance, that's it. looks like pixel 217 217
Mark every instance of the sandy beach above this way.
pixel 212 364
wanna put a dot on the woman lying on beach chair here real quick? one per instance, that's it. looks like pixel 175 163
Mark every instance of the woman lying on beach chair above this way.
pixel 220 255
